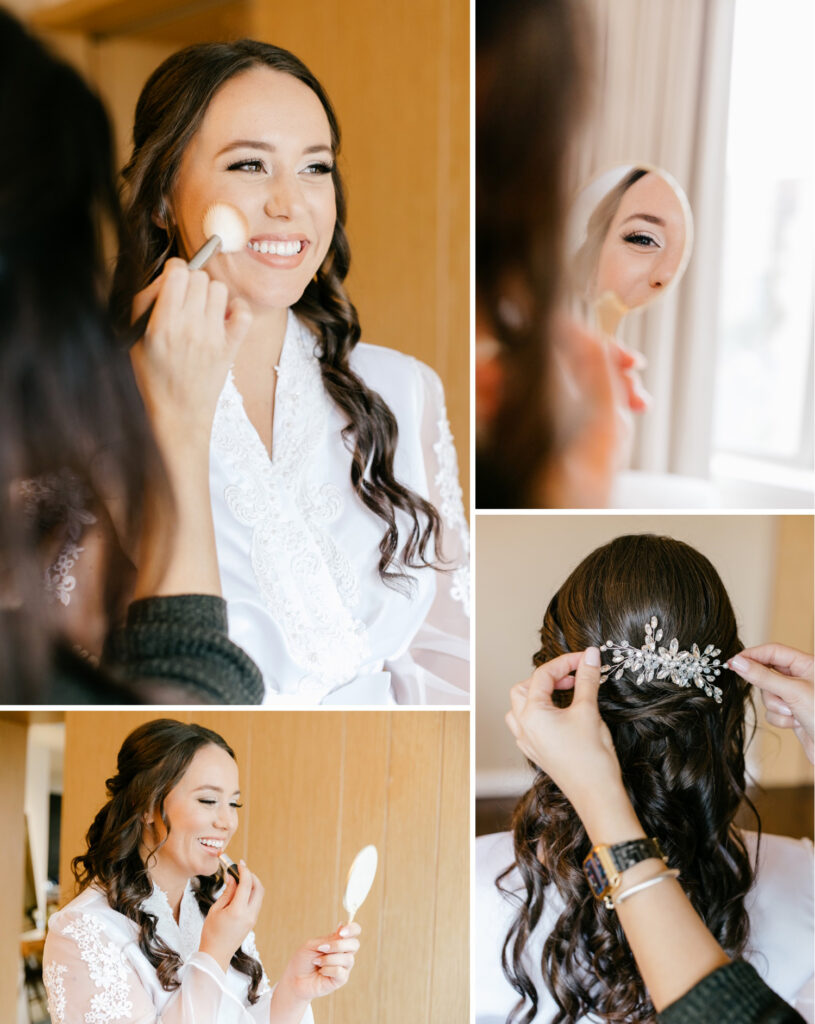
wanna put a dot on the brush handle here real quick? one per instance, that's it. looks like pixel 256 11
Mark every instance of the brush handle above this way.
pixel 138 327
pixel 209 248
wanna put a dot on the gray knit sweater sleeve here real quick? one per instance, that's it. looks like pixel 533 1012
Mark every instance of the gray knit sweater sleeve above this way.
pixel 182 643
pixel 733 994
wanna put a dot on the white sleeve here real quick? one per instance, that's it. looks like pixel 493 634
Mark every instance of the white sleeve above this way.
pixel 436 667
pixel 93 974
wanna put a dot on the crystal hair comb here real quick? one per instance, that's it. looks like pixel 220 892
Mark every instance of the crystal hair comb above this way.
pixel 649 662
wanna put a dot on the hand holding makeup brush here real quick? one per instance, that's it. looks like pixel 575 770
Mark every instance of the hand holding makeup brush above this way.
pixel 180 366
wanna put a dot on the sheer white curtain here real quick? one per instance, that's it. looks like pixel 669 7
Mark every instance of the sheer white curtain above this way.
pixel 662 82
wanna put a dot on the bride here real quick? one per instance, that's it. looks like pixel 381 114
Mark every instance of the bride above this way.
pixel 159 932
pixel 675 713
pixel 341 536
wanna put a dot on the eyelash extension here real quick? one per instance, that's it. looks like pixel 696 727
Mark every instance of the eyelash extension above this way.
pixel 236 806
pixel 320 167
pixel 240 165
pixel 211 802
pixel 639 237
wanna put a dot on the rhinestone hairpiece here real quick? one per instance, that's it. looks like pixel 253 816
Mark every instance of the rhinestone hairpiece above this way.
pixel 649 662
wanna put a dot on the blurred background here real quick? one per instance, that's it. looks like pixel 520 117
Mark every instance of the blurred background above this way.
pixel 765 563
pixel 398 76
pixel 719 93
pixel 316 788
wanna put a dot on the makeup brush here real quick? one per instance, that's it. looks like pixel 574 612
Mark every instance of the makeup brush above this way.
pixel 226 230
pixel 609 310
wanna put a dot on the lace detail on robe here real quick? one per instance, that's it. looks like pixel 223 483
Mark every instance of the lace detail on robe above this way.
pixel 60 498
pixel 107 969
pixel 55 987
pixel 308 584
pixel 451 503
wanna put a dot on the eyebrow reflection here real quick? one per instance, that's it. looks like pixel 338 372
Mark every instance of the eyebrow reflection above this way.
pixel 318 147
pixel 650 217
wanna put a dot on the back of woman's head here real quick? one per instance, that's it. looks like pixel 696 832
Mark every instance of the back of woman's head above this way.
pixel 682 759
pixel 68 401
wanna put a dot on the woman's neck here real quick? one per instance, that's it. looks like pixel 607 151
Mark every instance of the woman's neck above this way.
pixel 266 334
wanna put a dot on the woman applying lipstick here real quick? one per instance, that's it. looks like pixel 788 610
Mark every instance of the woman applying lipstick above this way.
pixel 341 536
pixel 150 937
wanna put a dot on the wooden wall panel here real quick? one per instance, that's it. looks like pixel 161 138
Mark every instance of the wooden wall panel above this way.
pixel 409 865
pixel 316 787
pixel 450 962
pixel 12 791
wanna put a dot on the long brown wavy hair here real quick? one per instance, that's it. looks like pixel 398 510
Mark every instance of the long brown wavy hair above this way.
pixel 682 761
pixel 168 114
pixel 151 762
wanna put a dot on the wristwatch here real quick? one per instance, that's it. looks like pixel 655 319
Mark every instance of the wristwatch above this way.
pixel 604 864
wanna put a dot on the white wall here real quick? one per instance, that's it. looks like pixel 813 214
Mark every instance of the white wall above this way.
pixel 521 562
pixel 43 776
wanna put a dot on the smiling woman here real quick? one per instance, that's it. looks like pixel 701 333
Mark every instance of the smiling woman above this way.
pixel 341 536
pixel 159 930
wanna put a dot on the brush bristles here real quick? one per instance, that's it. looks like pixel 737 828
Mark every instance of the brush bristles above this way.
pixel 229 224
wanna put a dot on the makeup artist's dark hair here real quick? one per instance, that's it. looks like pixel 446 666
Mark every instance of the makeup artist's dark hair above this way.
pixel 151 762
pixel 70 412
pixel 169 112
pixel 532 76
pixel 584 265
pixel 682 761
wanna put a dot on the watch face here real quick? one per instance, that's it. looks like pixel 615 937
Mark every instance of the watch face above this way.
pixel 597 878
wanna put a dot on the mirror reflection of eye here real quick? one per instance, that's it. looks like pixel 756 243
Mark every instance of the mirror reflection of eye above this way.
pixel 641 239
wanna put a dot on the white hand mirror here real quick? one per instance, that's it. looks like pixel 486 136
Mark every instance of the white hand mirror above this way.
pixel 630 235
pixel 360 879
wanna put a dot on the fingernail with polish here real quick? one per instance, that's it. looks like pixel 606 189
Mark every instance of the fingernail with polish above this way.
pixel 343 933
pixel 323 949
pixel 592 657
pixel 737 663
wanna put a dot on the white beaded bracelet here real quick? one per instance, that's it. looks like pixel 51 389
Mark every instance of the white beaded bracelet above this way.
pixel 668 873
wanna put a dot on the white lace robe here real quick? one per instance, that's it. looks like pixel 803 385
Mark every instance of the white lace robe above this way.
pixel 298 551
pixel 780 908
pixel 95 972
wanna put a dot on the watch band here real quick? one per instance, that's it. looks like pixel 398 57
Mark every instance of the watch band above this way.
pixel 626 855
pixel 604 864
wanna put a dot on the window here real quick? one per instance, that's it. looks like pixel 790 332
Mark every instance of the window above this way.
pixel 764 362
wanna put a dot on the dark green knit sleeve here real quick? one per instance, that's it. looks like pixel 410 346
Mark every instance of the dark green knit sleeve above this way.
pixel 733 994
pixel 182 643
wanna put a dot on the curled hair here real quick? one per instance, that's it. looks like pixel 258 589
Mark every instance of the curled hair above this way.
pixel 151 762
pixel 587 257
pixel 169 112
pixel 682 761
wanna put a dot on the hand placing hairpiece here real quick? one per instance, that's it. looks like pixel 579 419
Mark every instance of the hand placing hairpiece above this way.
pixel 649 662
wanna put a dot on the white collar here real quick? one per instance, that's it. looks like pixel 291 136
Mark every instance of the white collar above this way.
pixel 183 936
